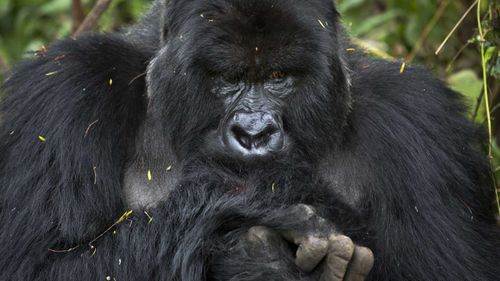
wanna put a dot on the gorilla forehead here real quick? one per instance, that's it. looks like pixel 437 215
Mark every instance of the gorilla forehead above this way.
pixel 256 37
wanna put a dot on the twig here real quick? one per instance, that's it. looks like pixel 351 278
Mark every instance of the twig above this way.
pixel 120 220
pixel 495 108
pixel 462 49
pixel 150 218
pixel 459 53
pixel 372 50
pixel 124 217
pixel 455 27
pixel 485 74
pixel 77 13
pixel 427 30
pixel 93 17
pixel 64 251
pixel 478 105
pixel 94 169
pixel 90 127
pixel 136 77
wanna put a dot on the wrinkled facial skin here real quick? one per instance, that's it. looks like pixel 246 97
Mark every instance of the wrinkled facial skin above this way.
pixel 252 126
pixel 249 84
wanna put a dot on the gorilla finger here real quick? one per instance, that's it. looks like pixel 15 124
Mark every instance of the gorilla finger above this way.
pixel 361 264
pixel 263 242
pixel 340 252
pixel 310 252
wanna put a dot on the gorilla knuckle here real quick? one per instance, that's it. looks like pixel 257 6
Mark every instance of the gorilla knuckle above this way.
pixel 341 246
pixel 307 210
pixel 366 258
pixel 259 233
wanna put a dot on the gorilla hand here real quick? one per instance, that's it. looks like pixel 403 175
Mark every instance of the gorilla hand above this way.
pixel 327 255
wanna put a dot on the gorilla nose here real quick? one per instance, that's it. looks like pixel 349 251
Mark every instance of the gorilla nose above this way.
pixel 254 134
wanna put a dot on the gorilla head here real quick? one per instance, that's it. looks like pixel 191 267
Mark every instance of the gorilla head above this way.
pixel 255 79
pixel 251 122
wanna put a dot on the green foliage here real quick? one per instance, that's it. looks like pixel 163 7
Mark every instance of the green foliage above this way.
pixel 470 85
pixel 122 13
pixel 27 25
pixel 398 26
pixel 414 29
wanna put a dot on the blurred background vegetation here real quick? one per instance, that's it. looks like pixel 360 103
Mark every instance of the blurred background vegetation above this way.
pixel 410 31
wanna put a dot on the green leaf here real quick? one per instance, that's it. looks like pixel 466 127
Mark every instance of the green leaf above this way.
pixel 468 84
pixel 489 53
pixel 495 68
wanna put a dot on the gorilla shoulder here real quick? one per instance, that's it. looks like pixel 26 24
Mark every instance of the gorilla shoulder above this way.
pixel 86 98
pixel 402 115
pixel 409 96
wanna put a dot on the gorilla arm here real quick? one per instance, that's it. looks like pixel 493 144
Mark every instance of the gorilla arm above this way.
pixel 69 116
pixel 411 159
pixel 210 232
pixel 321 254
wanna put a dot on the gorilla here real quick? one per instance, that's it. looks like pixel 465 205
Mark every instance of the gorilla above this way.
pixel 238 140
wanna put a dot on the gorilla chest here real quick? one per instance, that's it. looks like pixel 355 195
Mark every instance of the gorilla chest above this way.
pixel 149 181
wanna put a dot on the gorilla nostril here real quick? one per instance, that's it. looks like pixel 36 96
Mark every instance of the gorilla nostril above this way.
pixel 263 138
pixel 253 134
pixel 243 138
pixel 251 141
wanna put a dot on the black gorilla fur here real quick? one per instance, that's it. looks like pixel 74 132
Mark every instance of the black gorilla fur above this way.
pixel 388 157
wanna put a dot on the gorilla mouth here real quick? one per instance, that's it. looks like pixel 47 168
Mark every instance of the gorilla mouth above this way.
pixel 232 151
pixel 259 144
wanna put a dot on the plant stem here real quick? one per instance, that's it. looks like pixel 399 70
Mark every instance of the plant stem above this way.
pixel 486 94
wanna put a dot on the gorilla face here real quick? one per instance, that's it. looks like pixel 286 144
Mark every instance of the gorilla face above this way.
pixel 258 80
pixel 252 126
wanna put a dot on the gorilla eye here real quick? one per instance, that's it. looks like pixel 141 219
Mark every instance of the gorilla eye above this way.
pixel 226 87
pixel 277 75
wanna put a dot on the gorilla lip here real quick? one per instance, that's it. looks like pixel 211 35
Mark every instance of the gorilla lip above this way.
pixel 218 148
